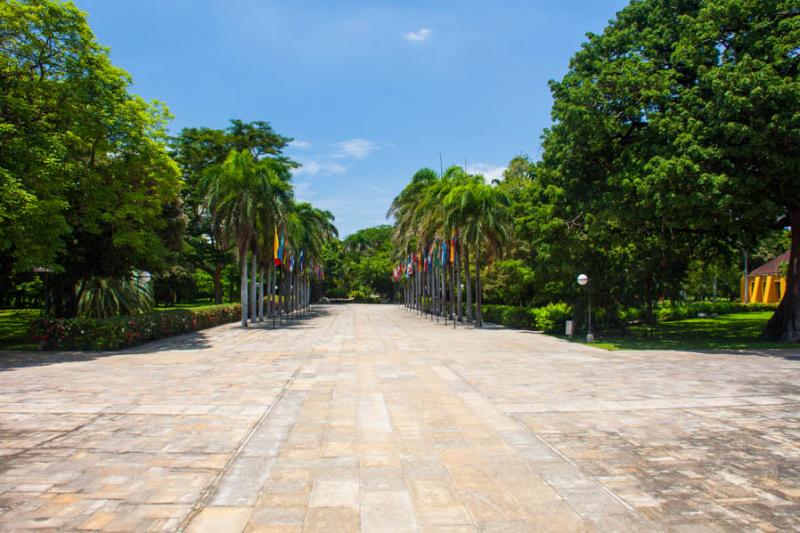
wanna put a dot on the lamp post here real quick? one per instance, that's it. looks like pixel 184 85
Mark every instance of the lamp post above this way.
pixel 583 279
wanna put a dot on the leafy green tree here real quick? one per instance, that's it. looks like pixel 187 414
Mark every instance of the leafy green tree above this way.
pixel 481 211
pixel 198 149
pixel 367 262
pixel 85 179
pixel 675 137
pixel 247 197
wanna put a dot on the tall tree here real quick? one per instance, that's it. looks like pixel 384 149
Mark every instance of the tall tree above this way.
pixel 198 149
pixel 481 211
pixel 246 196
pixel 675 137
pixel 86 183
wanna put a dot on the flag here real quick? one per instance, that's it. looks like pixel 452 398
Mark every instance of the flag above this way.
pixel 281 249
pixel 444 252
pixel 453 250
pixel 291 263
pixel 275 246
pixel 301 260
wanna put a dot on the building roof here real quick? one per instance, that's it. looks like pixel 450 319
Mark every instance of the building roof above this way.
pixel 771 268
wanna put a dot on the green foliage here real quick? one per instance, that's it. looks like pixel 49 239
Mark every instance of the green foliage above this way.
pixel 552 317
pixel 737 331
pixel 674 149
pixel 123 331
pixel 509 280
pixel 549 318
pixel 86 184
pixel 518 317
pixel 197 151
pixel 104 298
pixel 15 328
pixel 694 309
pixel 364 295
pixel 177 284
pixel 361 265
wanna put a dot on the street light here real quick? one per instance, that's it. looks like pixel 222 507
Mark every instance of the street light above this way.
pixel 583 279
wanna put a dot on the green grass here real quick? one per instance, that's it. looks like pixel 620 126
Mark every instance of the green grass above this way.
pixel 14 329
pixel 736 331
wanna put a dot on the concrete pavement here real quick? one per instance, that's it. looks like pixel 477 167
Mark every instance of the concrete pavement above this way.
pixel 370 418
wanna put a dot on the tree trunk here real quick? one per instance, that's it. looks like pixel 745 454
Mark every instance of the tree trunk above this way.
pixel 243 262
pixel 253 287
pixel 273 280
pixel 452 291
pixel 261 296
pixel 458 280
pixel 478 316
pixel 784 326
pixel 468 284
pixel 218 283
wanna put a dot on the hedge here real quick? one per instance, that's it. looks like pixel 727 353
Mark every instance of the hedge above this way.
pixel 551 318
pixel 548 318
pixel 124 331
pixel 693 309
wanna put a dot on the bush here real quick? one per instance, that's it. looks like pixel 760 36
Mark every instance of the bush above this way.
pixel 552 317
pixel 123 331
pixel 364 296
pixel 518 317
pixel 510 316
pixel 693 309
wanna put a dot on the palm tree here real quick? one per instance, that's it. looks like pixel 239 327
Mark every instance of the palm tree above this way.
pixel 481 211
pixel 315 228
pixel 407 209
pixel 244 196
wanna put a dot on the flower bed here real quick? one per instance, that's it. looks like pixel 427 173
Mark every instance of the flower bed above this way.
pixel 123 331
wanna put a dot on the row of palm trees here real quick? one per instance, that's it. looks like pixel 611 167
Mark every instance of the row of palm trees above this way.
pixel 252 208
pixel 456 212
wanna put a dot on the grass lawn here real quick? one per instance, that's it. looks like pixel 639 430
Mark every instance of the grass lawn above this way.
pixel 14 329
pixel 736 331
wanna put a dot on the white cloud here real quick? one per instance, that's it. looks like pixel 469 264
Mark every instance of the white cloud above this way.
pixel 303 191
pixel 319 168
pixel 300 144
pixel 489 172
pixel 422 34
pixel 355 148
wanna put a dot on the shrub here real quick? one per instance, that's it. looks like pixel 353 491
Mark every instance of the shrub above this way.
pixel 552 316
pixel 510 316
pixel 364 296
pixel 493 313
pixel 693 309
pixel 123 331
pixel 518 317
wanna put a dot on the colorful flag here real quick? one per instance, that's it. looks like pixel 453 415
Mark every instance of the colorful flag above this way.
pixel 275 246
pixel 453 250
pixel 444 252
pixel 281 249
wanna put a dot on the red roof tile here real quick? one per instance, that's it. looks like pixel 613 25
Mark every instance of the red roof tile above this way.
pixel 771 268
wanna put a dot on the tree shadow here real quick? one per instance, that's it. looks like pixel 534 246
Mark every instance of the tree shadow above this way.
pixel 193 341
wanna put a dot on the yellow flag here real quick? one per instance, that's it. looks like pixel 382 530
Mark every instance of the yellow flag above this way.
pixel 275 248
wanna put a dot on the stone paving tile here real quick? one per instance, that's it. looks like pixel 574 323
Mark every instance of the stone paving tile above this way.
pixel 371 418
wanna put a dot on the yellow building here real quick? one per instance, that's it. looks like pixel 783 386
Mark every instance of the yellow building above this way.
pixel 766 284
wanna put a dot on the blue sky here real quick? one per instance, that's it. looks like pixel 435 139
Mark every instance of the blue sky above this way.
pixel 370 91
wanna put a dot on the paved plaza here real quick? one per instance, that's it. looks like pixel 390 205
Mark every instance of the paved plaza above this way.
pixel 370 418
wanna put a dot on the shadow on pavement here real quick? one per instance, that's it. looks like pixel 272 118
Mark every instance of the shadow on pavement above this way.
pixel 197 340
